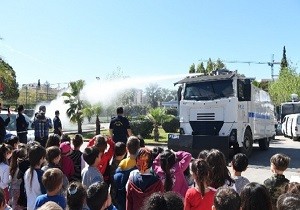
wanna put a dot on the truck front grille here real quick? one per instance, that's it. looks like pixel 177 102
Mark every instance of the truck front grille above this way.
pixel 206 116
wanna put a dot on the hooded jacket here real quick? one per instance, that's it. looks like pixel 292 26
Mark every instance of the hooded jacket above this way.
pixel 120 180
pixel 141 187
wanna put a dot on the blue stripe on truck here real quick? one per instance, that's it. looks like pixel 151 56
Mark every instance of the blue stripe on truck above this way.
pixel 258 115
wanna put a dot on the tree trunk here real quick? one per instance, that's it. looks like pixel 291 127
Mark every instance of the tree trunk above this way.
pixel 156 133
pixel 97 125
pixel 79 124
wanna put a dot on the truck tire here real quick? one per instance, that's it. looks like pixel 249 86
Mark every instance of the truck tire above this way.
pixel 264 143
pixel 294 138
pixel 248 143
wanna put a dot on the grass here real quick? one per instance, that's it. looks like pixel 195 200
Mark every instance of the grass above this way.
pixel 163 136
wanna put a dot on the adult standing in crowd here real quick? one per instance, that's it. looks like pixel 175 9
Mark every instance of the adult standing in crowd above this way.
pixel 3 124
pixel 21 125
pixel 57 124
pixel 41 125
pixel 119 127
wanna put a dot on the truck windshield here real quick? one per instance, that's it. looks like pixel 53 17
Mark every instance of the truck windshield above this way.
pixel 208 90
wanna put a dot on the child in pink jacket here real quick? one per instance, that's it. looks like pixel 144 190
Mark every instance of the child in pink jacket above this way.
pixel 169 166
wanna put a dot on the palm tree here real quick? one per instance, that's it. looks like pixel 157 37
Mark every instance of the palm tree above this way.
pixel 74 112
pixel 157 116
pixel 88 111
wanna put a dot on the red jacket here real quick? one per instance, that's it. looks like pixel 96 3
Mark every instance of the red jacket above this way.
pixel 135 196
pixel 105 158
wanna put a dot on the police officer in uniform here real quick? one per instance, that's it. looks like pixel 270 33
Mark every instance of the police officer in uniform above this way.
pixel 21 125
pixel 119 127
pixel 57 124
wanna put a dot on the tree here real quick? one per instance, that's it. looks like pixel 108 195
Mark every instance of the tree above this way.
pixel 284 63
pixel 153 95
pixel 219 64
pixel 200 68
pixel 157 116
pixel 192 69
pixel 126 97
pixel 287 83
pixel 74 112
pixel 9 86
pixel 209 66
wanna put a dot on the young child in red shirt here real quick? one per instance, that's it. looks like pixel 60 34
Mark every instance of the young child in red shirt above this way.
pixel 101 143
pixel 201 196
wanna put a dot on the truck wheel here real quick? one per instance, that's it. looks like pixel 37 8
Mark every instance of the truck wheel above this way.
pixel 248 143
pixel 264 143
pixel 294 138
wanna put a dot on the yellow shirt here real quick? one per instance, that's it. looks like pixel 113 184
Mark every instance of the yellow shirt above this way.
pixel 127 163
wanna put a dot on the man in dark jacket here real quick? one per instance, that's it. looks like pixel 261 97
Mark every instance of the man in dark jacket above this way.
pixel 3 124
pixel 21 125
pixel 57 124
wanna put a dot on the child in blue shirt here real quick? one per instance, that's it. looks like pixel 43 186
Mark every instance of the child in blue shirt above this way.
pixel 53 181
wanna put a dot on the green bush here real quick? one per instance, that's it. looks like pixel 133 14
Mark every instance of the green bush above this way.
pixel 142 127
pixel 171 125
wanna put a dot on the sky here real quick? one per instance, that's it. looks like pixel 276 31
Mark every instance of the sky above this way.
pixel 63 41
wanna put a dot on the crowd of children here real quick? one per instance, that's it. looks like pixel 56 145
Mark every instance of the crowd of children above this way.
pixel 109 175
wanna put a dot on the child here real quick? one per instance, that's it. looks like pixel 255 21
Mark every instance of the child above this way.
pixel 50 205
pixel 53 140
pixel 239 164
pixel 125 167
pixel 226 199
pixel 65 138
pixel 52 180
pixel 90 174
pixel 201 196
pixel 277 183
pixel 169 166
pixel 256 196
pixel 288 201
pixel 13 142
pixel 67 165
pixel 53 159
pixel 23 165
pixel 101 143
pixel 5 154
pixel 3 204
pixel 77 158
pixel 167 201
pixel 120 152
pixel 17 155
pixel 98 197
pixel 33 176
pixel 220 175
pixel 142 183
pixel 76 196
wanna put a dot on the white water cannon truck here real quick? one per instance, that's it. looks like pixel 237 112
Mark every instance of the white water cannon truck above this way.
pixel 222 110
